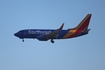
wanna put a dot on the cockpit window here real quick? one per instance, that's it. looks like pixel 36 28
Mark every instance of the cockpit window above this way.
pixel 20 32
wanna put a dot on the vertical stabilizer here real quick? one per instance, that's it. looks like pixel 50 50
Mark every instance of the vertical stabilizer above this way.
pixel 84 23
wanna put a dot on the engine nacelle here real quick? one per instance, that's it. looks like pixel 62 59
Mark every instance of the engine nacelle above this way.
pixel 42 38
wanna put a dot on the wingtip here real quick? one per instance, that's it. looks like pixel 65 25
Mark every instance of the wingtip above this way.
pixel 61 26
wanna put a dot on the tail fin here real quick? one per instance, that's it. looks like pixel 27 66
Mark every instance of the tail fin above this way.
pixel 84 23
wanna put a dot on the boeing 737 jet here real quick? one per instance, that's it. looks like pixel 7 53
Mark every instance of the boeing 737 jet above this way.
pixel 51 34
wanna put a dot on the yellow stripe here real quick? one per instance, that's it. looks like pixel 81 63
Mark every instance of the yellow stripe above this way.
pixel 70 33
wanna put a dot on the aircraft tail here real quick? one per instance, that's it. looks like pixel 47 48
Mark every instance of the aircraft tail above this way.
pixel 82 28
pixel 83 25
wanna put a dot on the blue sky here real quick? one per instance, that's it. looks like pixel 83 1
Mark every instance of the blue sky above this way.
pixel 82 53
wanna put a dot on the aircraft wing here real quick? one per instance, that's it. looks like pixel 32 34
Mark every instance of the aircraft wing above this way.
pixel 54 33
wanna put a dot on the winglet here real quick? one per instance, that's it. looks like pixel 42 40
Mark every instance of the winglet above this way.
pixel 61 26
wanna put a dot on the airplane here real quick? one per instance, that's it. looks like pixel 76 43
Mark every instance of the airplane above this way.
pixel 51 34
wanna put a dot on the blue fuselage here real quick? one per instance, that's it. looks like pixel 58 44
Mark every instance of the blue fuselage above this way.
pixel 34 33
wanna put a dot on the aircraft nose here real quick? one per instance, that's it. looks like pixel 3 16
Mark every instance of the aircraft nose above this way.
pixel 15 34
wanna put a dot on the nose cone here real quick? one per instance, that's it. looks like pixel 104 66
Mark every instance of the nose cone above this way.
pixel 16 34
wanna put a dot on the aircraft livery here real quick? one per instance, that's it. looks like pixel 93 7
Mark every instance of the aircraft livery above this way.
pixel 51 34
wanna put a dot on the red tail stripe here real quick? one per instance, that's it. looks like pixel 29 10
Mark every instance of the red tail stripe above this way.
pixel 85 24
